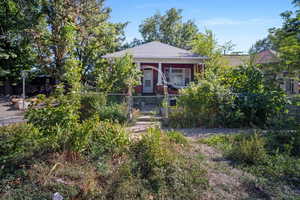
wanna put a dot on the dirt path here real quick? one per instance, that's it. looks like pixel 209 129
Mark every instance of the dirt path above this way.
pixel 225 181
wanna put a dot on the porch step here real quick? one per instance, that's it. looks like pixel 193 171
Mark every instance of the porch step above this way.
pixel 148 118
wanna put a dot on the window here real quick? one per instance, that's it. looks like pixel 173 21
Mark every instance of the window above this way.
pixel 178 76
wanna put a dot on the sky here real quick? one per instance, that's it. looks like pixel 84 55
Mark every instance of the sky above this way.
pixel 242 22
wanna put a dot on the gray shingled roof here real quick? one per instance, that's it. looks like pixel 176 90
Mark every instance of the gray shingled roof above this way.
pixel 156 50
pixel 237 60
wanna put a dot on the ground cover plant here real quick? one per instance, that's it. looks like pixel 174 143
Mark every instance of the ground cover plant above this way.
pixel 106 165
pixel 272 156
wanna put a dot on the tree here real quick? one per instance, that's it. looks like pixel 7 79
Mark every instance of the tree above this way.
pixel 96 36
pixel 169 29
pixel 93 37
pixel 261 45
pixel 118 75
pixel 287 39
pixel 16 52
pixel 227 47
pixel 135 42
pixel 205 44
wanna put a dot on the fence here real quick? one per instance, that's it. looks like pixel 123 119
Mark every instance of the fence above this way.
pixel 155 104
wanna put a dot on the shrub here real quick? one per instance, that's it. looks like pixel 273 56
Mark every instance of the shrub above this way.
pixel 107 137
pixel 165 172
pixel 115 112
pixel 177 137
pixel 93 104
pixel 61 111
pixel 206 104
pixel 287 142
pixel 238 98
pixel 18 143
pixel 249 150
pixel 90 104
pixel 258 101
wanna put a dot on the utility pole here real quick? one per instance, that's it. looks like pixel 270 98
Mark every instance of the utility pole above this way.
pixel 24 75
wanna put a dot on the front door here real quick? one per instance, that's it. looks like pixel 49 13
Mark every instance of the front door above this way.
pixel 148 81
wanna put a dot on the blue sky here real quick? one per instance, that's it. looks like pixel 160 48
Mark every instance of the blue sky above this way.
pixel 242 22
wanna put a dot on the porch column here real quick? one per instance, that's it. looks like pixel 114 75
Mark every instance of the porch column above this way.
pixel 159 81
pixel 138 64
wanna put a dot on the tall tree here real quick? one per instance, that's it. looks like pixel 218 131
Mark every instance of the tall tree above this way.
pixel 94 35
pixel 287 38
pixel 54 33
pixel 16 54
pixel 169 28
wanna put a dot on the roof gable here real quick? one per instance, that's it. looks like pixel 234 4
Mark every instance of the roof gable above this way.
pixel 266 57
pixel 155 50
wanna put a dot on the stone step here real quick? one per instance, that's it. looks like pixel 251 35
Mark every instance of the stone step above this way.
pixel 148 118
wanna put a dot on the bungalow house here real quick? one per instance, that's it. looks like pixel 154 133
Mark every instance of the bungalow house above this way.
pixel 162 64
pixel 269 58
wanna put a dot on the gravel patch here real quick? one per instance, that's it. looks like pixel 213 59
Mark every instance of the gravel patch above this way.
pixel 206 132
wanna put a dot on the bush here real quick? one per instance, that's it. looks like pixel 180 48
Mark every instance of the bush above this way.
pixel 250 150
pixel 18 143
pixel 107 137
pixel 103 106
pixel 177 137
pixel 61 111
pixel 165 172
pixel 287 142
pixel 270 155
pixel 206 104
pixel 90 104
pixel 115 113
pixel 239 98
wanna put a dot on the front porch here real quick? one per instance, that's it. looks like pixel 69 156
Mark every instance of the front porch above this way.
pixel 176 76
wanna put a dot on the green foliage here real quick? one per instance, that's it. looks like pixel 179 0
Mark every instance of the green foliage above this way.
pixel 107 137
pixel 96 35
pixel 16 52
pixel 272 155
pixel 284 142
pixel 18 143
pixel 286 39
pixel 169 29
pixel 115 112
pixel 161 170
pixel 177 137
pixel 118 75
pixel 97 104
pixel 249 150
pixel 206 44
pixel 207 103
pixel 91 103
pixel 260 103
pixel 238 98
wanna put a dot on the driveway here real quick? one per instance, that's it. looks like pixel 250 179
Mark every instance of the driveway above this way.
pixel 8 114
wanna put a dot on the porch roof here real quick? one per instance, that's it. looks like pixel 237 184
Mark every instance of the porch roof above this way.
pixel 156 50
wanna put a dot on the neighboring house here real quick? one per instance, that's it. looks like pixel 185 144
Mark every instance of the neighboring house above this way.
pixel 157 60
pixel 270 58
pixel 236 60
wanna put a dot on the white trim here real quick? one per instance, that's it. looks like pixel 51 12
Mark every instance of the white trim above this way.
pixel 159 81
pixel 168 61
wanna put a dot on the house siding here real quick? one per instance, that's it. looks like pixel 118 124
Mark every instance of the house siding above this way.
pixel 159 89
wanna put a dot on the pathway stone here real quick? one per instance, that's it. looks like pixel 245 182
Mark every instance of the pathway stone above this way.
pixel 144 122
